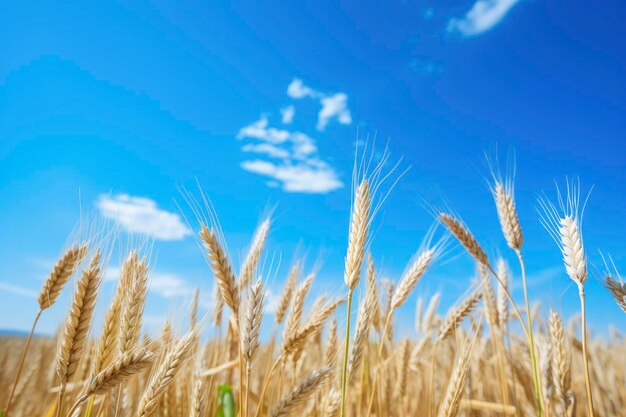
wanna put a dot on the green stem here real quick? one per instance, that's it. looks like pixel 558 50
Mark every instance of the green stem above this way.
pixel 344 375
pixel 531 340
pixel 378 360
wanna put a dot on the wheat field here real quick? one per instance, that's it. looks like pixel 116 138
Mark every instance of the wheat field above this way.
pixel 489 355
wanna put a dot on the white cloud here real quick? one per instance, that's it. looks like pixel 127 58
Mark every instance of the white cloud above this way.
pixel 483 15
pixel 314 176
pixel 290 158
pixel 265 148
pixel 169 285
pixel 287 114
pixel 260 130
pixel 335 106
pixel 142 215
pixel 297 89
pixel 17 290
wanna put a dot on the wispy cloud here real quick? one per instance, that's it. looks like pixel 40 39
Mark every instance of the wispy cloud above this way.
pixel 334 107
pixel 315 177
pixel 289 157
pixel 17 290
pixel 297 89
pixel 287 114
pixel 484 15
pixel 142 215
pixel 169 285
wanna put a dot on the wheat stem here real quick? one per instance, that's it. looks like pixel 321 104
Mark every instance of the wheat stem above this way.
pixel 531 341
pixel 22 360
pixel 344 374
pixel 583 324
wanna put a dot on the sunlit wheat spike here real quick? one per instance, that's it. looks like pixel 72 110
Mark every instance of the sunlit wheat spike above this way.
pixel 489 297
pixel 332 345
pixel 546 355
pixel 134 302
pixel 197 399
pixel 357 235
pixel 507 213
pixel 112 321
pixel 452 397
pixel 411 276
pixel 429 316
pixel 170 366
pixel 465 237
pixel 221 268
pixel 252 322
pixel 373 288
pixel 61 273
pixel 364 321
pixel 296 308
pixel 332 404
pixel 119 371
pixel 456 315
pixel 573 251
pixel 313 325
pixel 253 256
pixel 564 225
pixel 193 309
pixel 285 297
pixel 617 290
pixel 218 306
pixel 561 358
pixel 300 393
pixel 78 321
pixel 503 284
pixel 108 339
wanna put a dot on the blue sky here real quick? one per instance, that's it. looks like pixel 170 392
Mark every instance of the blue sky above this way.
pixel 110 108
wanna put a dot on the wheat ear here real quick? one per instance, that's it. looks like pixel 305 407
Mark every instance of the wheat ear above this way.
pixel 254 254
pixel 465 237
pixel 285 296
pixel 561 360
pixel 357 235
pixel 61 273
pixel 78 321
pixel 617 290
pixel 171 365
pixel 134 301
pixel 507 213
pixel 457 314
pixel 117 372
pixel 300 393
pixel 221 268
pixel 365 318
pixel 452 397
pixel 411 276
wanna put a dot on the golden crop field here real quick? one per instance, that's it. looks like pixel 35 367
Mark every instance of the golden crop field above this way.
pixel 489 355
